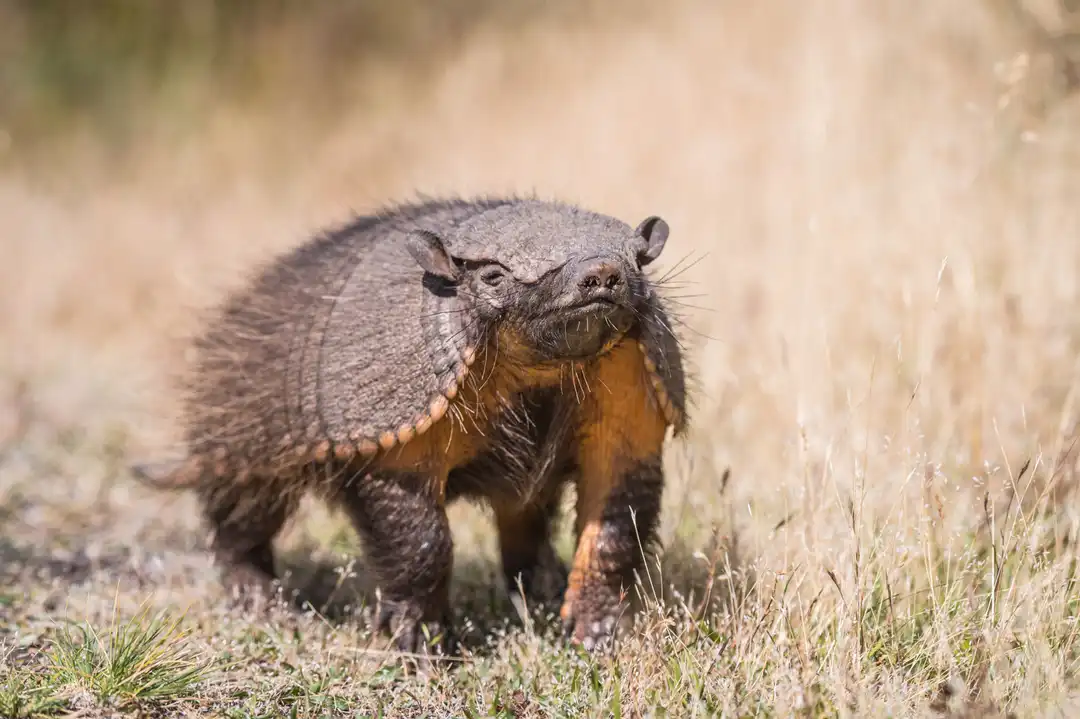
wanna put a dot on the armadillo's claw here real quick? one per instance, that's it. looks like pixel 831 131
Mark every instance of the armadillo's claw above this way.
pixel 423 641
pixel 592 618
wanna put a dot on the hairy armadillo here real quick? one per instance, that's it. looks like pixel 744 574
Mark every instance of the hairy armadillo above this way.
pixel 497 349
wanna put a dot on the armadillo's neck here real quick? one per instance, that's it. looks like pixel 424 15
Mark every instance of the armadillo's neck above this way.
pixel 505 366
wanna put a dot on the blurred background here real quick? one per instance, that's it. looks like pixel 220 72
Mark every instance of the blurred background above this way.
pixel 847 184
pixel 815 160
pixel 876 203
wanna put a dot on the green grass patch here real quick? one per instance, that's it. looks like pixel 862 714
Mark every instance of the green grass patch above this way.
pixel 25 694
pixel 144 661
pixel 137 661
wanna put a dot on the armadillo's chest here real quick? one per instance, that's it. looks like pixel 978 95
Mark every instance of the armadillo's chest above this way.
pixel 527 446
pixel 507 434
pixel 517 419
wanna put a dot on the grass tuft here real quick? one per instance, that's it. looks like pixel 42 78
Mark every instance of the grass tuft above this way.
pixel 140 660
pixel 26 695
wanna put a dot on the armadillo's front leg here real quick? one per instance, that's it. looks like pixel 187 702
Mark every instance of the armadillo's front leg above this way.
pixel 619 494
pixel 406 533
pixel 617 532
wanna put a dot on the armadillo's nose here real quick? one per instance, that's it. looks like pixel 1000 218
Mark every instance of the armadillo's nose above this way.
pixel 600 279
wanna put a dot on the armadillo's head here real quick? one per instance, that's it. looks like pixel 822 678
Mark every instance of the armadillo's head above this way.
pixel 564 282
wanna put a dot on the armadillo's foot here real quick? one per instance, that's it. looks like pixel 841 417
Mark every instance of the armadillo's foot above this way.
pixel 543 581
pixel 592 614
pixel 248 587
pixel 248 576
pixel 422 640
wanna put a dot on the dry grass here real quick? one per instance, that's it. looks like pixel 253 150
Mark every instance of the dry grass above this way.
pixel 880 200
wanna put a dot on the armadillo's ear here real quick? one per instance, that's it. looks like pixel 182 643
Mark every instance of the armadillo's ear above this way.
pixel 429 252
pixel 654 231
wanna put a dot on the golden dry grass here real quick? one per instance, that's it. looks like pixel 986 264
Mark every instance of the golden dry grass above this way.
pixel 879 203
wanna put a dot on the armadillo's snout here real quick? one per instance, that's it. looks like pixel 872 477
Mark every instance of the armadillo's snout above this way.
pixel 601 279
pixel 593 310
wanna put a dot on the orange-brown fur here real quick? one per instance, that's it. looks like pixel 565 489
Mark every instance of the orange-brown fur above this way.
pixel 501 369
pixel 620 422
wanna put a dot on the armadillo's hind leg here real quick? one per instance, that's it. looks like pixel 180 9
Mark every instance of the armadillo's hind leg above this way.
pixel 401 518
pixel 244 525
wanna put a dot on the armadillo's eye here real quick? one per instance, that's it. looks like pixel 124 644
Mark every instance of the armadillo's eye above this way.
pixel 492 276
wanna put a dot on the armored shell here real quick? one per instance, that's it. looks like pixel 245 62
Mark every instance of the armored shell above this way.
pixel 340 347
